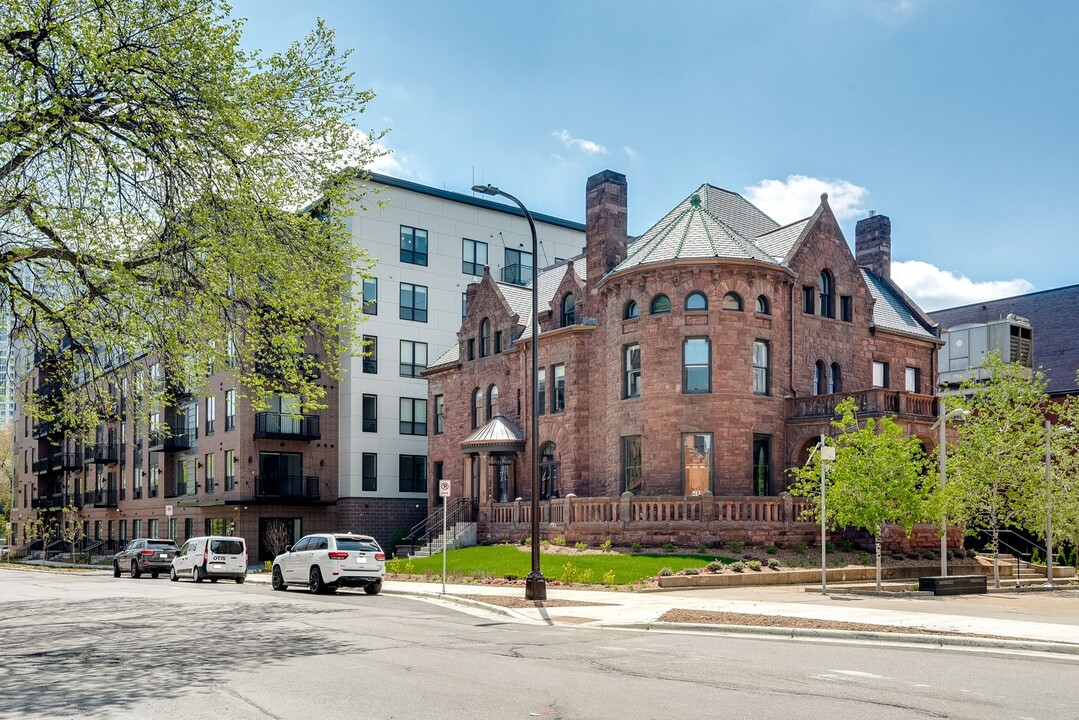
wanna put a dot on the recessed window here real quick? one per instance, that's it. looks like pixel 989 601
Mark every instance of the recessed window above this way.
pixel 370 413
pixel 413 245
pixel 370 295
pixel 558 388
pixel 471 343
pixel 809 299
pixel 569 310
pixel 230 409
pixel 498 341
pixel 370 354
pixel 696 301
pixel 912 380
pixel 464 305
pixel 762 465
pixel 414 302
pixel 733 301
pixel 369 472
pixel 763 307
pixel 541 382
pixel 549 466
pixel 631 385
pixel 473 256
pixel 632 311
pixel 440 415
pixel 492 401
pixel 846 308
pixel 826 287
pixel 761 368
pixel 696 365
pixel 477 407
pixel 661 304
pixel 631 464
pixel 818 377
pixel 696 463
pixel 413 416
pixel 485 338
pixel 835 380
pixel 211 414
pixel 880 374
pixel 413 473
pixel 413 358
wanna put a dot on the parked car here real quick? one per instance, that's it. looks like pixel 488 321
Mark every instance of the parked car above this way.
pixel 326 561
pixel 144 555
pixel 212 557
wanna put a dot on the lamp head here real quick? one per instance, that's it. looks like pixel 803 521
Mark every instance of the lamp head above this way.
pixel 485 189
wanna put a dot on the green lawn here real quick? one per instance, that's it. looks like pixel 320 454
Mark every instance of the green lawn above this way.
pixel 510 560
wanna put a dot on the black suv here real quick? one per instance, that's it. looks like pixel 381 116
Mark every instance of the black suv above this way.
pixel 143 555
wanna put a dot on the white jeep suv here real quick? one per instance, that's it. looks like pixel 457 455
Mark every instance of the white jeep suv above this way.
pixel 326 561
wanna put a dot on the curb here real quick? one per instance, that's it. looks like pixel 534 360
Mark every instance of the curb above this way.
pixel 941 641
pixel 458 600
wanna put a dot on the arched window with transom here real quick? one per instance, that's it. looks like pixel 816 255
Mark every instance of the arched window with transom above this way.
pixel 696 301
pixel 485 338
pixel 733 301
pixel 477 407
pixel 763 306
pixel 492 401
pixel 549 465
pixel 826 286
pixel 632 311
pixel 569 310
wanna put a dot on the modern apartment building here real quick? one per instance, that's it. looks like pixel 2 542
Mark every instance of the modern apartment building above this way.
pixel 430 245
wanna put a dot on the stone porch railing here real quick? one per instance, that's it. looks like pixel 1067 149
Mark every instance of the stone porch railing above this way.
pixel 878 401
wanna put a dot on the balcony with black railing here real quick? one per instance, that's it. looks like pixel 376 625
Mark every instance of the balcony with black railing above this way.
pixel 40 467
pixel 287 488
pixel 101 498
pixel 45 428
pixel 517 274
pixel 172 442
pixel 102 453
pixel 64 461
pixel 283 426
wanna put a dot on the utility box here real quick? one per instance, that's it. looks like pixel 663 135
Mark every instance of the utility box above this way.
pixel 965 346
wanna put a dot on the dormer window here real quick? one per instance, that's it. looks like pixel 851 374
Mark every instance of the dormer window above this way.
pixel 826 288
pixel 569 310
pixel 485 338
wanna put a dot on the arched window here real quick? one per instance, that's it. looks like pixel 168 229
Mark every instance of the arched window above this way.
pixel 763 306
pixel 661 304
pixel 492 401
pixel 818 378
pixel 827 294
pixel 485 338
pixel 569 310
pixel 477 407
pixel 835 380
pixel 696 301
pixel 632 311
pixel 732 301
pixel 548 469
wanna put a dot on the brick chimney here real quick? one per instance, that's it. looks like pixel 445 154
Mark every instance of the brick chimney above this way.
pixel 873 244
pixel 605 224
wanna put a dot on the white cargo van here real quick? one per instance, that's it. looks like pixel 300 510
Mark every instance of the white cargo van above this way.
pixel 213 557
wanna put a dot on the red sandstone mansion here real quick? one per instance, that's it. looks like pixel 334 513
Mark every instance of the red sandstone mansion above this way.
pixel 681 372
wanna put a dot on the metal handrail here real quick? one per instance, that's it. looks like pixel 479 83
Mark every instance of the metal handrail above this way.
pixel 428 530
pixel 1019 554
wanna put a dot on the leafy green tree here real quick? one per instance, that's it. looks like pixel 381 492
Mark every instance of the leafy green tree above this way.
pixel 996 471
pixel 70 528
pixel 158 190
pixel 7 473
pixel 877 478
pixel 1063 483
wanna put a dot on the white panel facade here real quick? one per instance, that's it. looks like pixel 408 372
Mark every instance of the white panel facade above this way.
pixel 448 218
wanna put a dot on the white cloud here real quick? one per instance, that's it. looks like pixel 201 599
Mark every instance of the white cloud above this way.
pixel 630 152
pixel 799 195
pixel 933 288
pixel 588 147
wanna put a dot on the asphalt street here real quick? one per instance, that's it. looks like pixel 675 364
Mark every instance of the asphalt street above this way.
pixel 90 646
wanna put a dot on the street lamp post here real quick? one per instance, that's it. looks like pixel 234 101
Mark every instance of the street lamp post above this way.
pixel 942 424
pixel 535 584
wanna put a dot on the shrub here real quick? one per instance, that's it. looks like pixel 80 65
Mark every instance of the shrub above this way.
pixel 800 545
pixel 702 549
pixel 971 552
pixel 754 565
pixel 829 547
pixel 608 577
pixel 606 546
pixel 635 547
pixel 409 567
pixel 736 547
pixel 581 546
pixel 480 574
pixel 512 578
pixel 715 566
pixel 267 566
pixel 527 540
pixel 929 555
pixel 569 573
pixel 772 549
pixel 897 555
pixel 773 563
pixel 669 546
pixel 586 576
pixel 846 545
pixel 691 571
pixel 738 566
pixel 559 541
pixel 665 572
pixel 545 543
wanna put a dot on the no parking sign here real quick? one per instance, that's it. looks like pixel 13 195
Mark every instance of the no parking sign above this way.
pixel 443 488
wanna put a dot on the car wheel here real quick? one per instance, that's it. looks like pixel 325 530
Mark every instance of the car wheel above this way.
pixel 153 576
pixel 277 582
pixel 240 580
pixel 135 572
pixel 116 569
pixel 315 584
pixel 373 588
pixel 173 576
pixel 196 574
pixel 213 580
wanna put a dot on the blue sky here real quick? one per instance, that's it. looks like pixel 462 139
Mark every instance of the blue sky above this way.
pixel 956 119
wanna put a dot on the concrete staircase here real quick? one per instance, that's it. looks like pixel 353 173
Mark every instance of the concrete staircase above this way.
pixel 1016 572
pixel 458 535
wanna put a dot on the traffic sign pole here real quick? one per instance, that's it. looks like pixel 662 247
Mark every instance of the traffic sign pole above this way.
pixel 444 493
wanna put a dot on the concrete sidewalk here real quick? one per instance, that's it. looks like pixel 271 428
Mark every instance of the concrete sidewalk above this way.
pixel 1047 621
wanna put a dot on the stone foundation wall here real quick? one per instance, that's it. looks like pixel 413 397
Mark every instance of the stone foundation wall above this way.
pixel 382 518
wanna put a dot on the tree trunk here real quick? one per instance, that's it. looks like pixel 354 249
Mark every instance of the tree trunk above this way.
pixel 996 558
pixel 877 538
